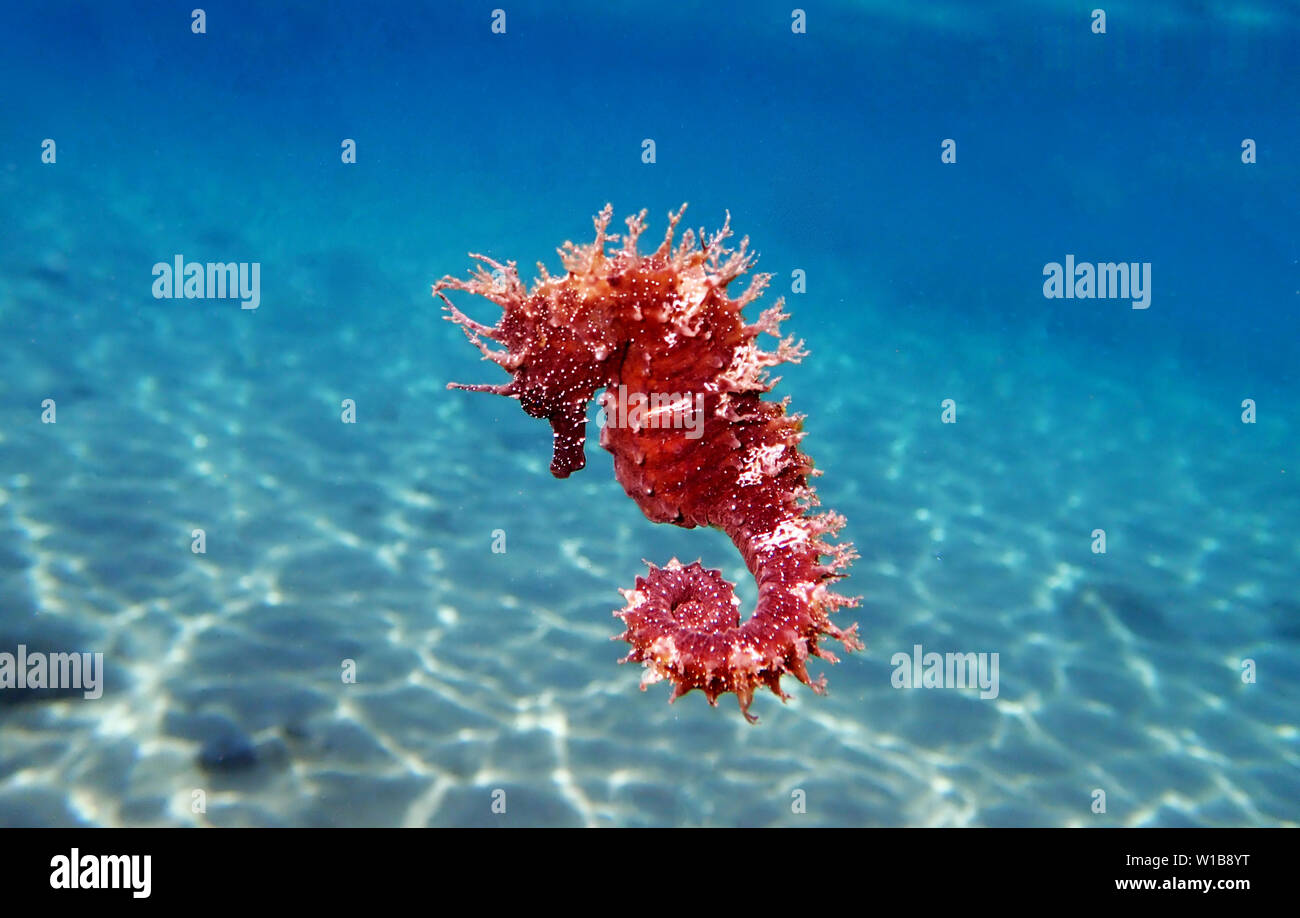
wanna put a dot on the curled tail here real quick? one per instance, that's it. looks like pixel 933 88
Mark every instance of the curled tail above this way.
pixel 683 621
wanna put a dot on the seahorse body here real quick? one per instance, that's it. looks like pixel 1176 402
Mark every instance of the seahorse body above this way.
pixel 661 326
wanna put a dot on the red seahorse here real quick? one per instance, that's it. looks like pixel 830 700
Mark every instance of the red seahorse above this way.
pixel 661 325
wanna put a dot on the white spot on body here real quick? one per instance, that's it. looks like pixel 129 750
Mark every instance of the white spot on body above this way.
pixel 760 462
pixel 787 534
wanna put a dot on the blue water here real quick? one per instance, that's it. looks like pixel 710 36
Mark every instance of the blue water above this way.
pixel 1161 673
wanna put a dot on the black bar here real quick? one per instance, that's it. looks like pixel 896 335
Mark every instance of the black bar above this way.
pixel 330 867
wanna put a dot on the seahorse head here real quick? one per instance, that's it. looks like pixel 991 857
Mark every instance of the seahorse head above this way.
pixel 560 343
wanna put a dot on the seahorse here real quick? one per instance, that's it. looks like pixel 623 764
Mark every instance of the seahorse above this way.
pixel 652 324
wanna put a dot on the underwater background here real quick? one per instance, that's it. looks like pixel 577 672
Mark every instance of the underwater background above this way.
pixel 1162 672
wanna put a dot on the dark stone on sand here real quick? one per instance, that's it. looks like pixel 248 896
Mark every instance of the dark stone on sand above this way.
pixel 228 752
